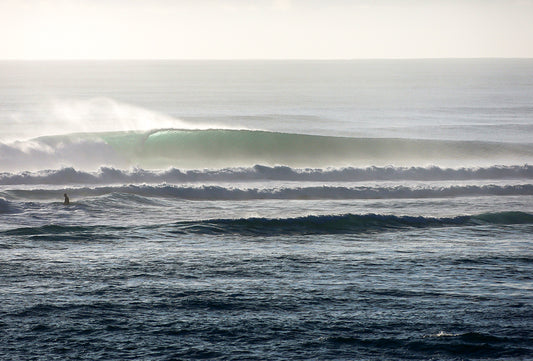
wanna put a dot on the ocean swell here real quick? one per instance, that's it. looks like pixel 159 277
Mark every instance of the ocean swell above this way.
pixel 219 148
pixel 323 224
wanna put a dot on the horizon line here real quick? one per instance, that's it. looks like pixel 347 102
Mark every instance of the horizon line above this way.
pixel 268 59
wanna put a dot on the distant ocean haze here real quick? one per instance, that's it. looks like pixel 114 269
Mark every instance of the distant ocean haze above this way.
pixel 485 100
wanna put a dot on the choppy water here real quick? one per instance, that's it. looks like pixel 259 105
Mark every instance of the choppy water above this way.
pixel 266 210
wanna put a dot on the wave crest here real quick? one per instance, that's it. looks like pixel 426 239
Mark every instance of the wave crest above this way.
pixel 219 148
pixel 219 193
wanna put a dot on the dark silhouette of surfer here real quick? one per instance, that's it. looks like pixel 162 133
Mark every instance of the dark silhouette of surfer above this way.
pixel 67 200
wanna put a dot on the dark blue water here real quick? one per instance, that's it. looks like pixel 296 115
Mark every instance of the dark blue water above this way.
pixel 432 293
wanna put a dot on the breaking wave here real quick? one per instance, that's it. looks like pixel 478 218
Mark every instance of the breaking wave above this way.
pixel 219 148
pixel 106 175
pixel 218 193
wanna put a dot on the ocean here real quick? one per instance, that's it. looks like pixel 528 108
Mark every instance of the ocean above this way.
pixel 266 210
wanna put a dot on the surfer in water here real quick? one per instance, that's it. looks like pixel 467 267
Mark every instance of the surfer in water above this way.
pixel 67 200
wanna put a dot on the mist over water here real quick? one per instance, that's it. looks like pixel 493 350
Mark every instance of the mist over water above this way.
pixel 487 100
pixel 57 116
pixel 266 209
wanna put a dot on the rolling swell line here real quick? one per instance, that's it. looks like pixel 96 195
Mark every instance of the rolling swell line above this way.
pixel 218 148
pixel 343 224
pixel 322 224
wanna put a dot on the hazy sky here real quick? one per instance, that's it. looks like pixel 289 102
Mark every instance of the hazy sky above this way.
pixel 236 29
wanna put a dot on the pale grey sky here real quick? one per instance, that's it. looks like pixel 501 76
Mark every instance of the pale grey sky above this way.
pixel 264 29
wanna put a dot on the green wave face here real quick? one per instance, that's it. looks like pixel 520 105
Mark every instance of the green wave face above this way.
pixel 227 148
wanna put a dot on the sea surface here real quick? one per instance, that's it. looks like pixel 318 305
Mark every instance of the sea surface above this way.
pixel 266 210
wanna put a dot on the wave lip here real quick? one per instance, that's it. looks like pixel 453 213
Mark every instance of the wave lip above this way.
pixel 109 175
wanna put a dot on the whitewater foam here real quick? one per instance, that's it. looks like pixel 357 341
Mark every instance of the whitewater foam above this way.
pixel 216 193
pixel 109 175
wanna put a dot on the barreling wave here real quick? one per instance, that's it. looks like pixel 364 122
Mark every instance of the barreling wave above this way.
pixel 106 175
pixel 218 148
pixel 219 193
pixel 324 224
